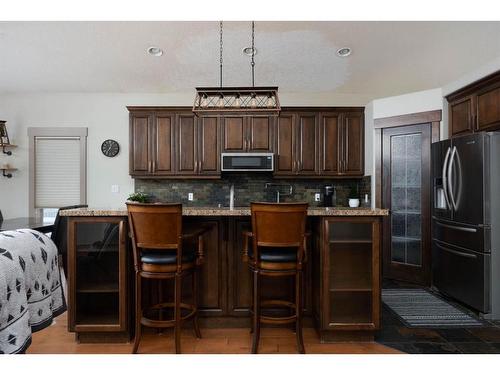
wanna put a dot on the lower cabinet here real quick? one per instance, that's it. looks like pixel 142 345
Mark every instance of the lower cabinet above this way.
pixel 348 278
pixel 98 271
pixel 341 281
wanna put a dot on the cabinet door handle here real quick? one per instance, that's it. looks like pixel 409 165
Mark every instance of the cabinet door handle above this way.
pixel 154 165
pixel 199 166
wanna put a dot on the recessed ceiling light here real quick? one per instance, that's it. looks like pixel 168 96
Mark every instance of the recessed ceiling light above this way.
pixel 248 51
pixel 344 52
pixel 155 51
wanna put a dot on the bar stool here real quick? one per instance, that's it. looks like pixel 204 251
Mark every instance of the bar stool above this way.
pixel 157 241
pixel 278 250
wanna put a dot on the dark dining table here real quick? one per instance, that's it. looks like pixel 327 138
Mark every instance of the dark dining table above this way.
pixel 27 223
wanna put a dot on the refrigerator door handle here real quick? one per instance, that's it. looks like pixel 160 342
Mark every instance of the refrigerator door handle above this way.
pixel 463 229
pixel 445 179
pixel 459 253
pixel 448 178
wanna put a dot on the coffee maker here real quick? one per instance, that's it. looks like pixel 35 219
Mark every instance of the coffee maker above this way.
pixel 329 196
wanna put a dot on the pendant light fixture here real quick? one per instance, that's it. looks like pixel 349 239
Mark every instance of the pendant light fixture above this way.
pixel 250 99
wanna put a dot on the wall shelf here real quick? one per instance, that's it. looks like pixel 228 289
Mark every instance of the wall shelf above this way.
pixel 6 172
pixel 8 152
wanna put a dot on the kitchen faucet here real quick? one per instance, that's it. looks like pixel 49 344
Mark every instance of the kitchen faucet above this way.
pixel 287 190
pixel 231 197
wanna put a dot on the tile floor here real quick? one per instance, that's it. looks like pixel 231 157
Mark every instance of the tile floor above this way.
pixel 481 340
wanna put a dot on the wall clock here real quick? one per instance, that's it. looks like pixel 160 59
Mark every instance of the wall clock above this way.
pixel 110 148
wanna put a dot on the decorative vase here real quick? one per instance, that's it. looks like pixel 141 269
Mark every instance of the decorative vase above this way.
pixel 353 202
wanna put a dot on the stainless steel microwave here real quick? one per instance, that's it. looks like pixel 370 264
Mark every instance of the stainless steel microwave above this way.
pixel 247 161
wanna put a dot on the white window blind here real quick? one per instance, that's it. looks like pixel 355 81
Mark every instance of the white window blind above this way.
pixel 57 171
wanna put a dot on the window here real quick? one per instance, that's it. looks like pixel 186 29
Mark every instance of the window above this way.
pixel 57 169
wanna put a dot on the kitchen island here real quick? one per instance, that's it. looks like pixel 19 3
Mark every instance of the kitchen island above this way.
pixel 342 277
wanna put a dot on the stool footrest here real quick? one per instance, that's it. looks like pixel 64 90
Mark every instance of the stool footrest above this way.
pixel 277 302
pixel 168 323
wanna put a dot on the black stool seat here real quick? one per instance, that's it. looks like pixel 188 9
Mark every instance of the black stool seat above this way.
pixel 276 254
pixel 166 256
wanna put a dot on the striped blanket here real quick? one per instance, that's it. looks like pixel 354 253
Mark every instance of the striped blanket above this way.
pixel 31 293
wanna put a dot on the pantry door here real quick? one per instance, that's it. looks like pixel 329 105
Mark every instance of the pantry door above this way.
pixel 406 191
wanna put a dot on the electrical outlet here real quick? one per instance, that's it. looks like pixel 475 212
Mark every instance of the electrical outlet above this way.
pixel 190 196
pixel 317 197
pixel 115 188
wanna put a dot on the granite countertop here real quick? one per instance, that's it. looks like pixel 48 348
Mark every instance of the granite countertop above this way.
pixel 237 211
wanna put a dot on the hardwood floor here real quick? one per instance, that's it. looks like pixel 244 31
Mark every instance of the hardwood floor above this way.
pixel 57 340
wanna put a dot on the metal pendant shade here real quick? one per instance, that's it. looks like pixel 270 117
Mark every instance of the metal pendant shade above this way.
pixel 250 99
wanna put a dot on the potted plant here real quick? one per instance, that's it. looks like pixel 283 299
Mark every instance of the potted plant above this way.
pixel 354 196
pixel 139 197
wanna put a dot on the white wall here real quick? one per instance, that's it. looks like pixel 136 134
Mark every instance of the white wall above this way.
pixel 105 116
pixel 415 102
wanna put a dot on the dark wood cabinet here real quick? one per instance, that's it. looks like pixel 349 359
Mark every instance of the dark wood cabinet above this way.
pixel 172 144
pixel 348 290
pixel 318 144
pixel 461 117
pixel 341 281
pixel 260 133
pixel 342 144
pixel 488 108
pixel 248 133
pixel 98 271
pixel 307 142
pixel 285 151
pixel 212 294
pixel 239 276
pixel 209 145
pixel 151 144
pixel 235 138
pixel 140 144
pixel 475 107
pixel 330 135
pixel 353 146
pixel 187 161
pixel 163 146
pixel 297 144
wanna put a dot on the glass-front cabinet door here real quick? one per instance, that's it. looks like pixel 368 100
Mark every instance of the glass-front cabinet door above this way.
pixel 97 260
pixel 352 273
pixel 406 176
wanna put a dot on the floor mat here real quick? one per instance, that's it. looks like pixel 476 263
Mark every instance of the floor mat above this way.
pixel 419 308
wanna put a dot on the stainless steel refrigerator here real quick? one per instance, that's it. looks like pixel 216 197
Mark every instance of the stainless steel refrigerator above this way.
pixel 466 221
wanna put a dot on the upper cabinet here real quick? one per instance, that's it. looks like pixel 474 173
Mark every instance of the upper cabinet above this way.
pixel 297 144
pixel 141 132
pixel 319 144
pixel 475 107
pixel 151 144
pixel 209 146
pixel 330 153
pixel 353 145
pixel 307 142
pixel 169 144
pixel 488 108
pixel 461 115
pixel 248 133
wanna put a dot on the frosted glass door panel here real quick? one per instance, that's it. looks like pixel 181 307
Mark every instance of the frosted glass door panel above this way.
pixel 406 193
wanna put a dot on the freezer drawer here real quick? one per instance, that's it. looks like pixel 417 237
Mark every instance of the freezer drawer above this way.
pixel 461 274
pixel 471 237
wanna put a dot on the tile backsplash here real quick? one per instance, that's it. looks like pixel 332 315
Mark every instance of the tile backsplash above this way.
pixel 249 187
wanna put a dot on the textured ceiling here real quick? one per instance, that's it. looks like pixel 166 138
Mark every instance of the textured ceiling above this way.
pixel 389 58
